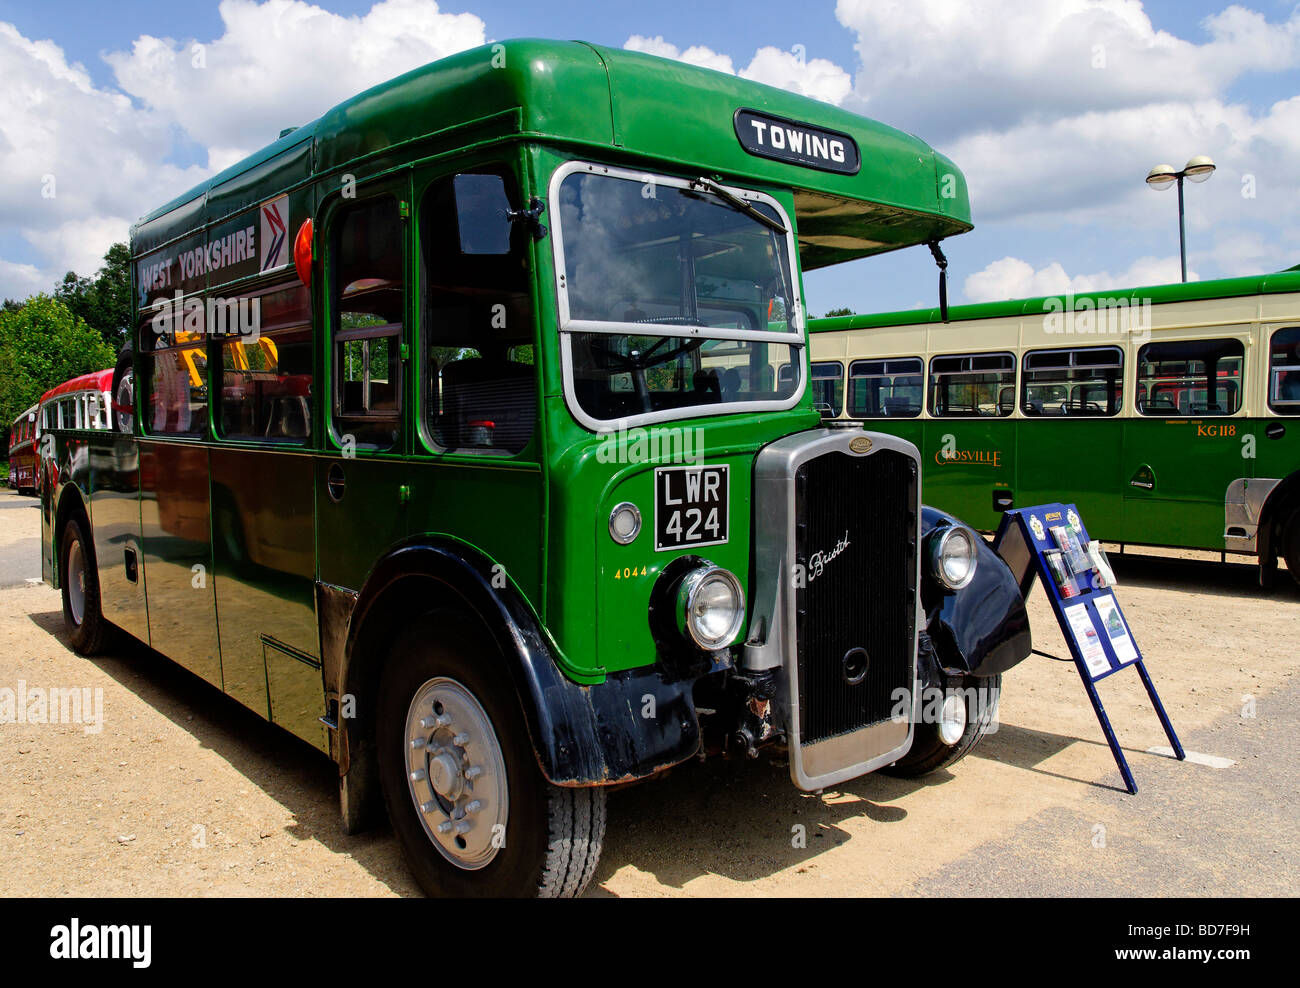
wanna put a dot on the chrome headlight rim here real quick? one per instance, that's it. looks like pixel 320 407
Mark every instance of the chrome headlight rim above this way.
pixel 939 542
pixel 688 591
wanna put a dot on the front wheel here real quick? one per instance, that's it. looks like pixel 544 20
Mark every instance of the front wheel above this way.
pixel 82 618
pixel 951 726
pixel 471 809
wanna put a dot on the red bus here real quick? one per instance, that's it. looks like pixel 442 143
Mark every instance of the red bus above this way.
pixel 22 452
pixel 84 403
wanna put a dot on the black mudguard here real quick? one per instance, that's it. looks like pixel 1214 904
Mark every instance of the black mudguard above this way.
pixel 583 735
pixel 982 629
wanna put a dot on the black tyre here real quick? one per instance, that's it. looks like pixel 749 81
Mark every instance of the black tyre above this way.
pixel 930 750
pixel 86 627
pixel 471 808
pixel 1291 546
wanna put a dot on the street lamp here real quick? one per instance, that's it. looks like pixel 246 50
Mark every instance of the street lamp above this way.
pixel 1197 169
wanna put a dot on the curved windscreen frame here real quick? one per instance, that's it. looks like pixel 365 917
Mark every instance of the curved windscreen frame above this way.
pixel 570 327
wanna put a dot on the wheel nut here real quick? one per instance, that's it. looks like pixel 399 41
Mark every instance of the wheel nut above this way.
pixel 462 827
pixel 473 806
pixel 460 739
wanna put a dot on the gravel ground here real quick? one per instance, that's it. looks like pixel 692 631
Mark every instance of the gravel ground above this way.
pixel 184 792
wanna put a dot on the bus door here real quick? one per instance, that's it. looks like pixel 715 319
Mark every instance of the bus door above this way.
pixel 478 394
pixel 365 479
pixel 175 521
pixel 263 511
pixel 1183 446
pixel 969 450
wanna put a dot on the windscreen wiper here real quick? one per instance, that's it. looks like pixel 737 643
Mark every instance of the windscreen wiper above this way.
pixel 737 203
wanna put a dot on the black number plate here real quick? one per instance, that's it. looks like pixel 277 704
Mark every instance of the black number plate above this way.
pixel 690 506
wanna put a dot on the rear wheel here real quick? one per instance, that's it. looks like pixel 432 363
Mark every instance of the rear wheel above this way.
pixel 472 810
pixel 968 713
pixel 82 618
pixel 1291 546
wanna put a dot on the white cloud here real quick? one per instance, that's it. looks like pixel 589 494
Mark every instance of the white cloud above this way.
pixel 942 67
pixel 282 63
pixel 818 78
pixel 1011 277
pixel 81 162
pixel 695 55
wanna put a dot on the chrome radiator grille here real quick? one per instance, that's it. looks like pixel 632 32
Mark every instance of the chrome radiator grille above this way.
pixel 855 603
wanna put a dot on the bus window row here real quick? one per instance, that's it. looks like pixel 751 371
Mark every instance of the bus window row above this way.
pixel 1174 379
pixel 475 321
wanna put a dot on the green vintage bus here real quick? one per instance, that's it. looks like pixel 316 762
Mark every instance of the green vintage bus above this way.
pixel 465 433
pixel 1170 414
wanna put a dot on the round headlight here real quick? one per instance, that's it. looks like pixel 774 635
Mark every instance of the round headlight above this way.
pixel 710 606
pixel 625 523
pixel 953 555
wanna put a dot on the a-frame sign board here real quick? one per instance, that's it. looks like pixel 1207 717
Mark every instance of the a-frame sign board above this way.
pixel 1049 541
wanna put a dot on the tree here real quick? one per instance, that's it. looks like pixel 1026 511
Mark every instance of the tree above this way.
pixel 839 312
pixel 104 301
pixel 43 344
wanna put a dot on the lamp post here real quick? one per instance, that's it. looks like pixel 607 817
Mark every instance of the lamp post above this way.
pixel 1197 169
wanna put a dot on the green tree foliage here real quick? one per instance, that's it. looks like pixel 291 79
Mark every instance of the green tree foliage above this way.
pixel 104 301
pixel 839 312
pixel 43 344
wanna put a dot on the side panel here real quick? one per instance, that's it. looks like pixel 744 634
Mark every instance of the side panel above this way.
pixel 176 531
pixel 263 518
pixel 1189 464
pixel 1076 460
pixel 963 460
pixel 115 514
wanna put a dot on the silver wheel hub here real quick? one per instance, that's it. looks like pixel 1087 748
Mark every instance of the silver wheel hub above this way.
pixel 77 583
pixel 456 773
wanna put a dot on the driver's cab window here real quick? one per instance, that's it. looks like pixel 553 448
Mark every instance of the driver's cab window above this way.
pixel 479 379
pixel 368 304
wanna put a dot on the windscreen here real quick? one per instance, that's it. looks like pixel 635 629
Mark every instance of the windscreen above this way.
pixel 663 261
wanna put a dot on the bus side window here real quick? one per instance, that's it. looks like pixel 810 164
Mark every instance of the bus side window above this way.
pixel 885 388
pixel 1284 372
pixel 972 385
pixel 479 376
pixel 1190 378
pixel 176 371
pixel 266 384
pixel 828 387
pixel 1087 382
pixel 369 298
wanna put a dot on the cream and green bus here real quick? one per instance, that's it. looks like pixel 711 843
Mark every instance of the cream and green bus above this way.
pixel 1167 413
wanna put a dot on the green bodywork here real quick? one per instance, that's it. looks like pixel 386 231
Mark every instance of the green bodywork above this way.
pixel 1138 479
pixel 541 514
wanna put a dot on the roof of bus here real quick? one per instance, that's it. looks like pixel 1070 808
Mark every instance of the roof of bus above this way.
pixel 1194 291
pixel 100 380
pixel 28 411
pixel 625 104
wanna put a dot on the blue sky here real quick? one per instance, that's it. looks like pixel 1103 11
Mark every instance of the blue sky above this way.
pixel 1054 144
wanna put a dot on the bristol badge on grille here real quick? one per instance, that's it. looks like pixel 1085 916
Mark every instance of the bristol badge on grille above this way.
pixel 690 506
